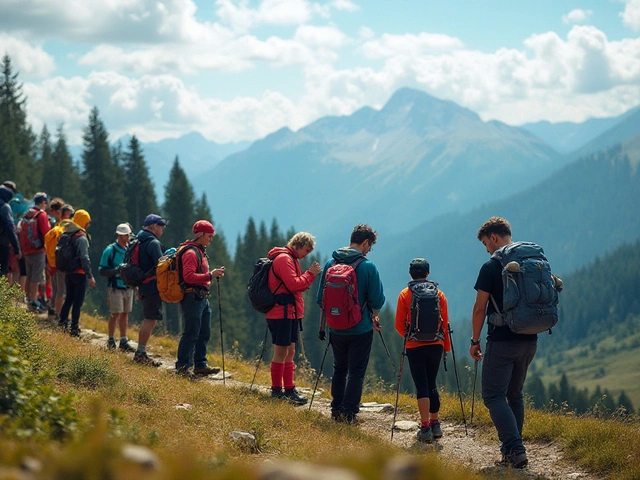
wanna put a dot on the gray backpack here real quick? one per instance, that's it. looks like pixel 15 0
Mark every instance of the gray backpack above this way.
pixel 529 291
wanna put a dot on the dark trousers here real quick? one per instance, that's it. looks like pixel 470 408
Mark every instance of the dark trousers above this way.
pixel 5 257
pixel 196 314
pixel 350 360
pixel 504 371
pixel 76 284
pixel 424 363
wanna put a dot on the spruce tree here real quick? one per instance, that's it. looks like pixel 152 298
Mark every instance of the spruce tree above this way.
pixel 45 163
pixel 625 401
pixel 138 188
pixel 179 207
pixel 63 179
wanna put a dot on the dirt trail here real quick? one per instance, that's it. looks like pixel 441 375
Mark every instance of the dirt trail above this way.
pixel 473 449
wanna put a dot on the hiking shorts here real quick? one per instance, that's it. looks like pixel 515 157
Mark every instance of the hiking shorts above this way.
pixel 151 306
pixel 120 300
pixel 58 285
pixel 36 263
pixel 284 332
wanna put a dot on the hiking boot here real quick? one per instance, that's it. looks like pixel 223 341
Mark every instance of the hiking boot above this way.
pixel 111 344
pixel 51 311
pixel 436 429
pixel 75 332
pixel 348 418
pixel 513 460
pixel 125 347
pixel 183 371
pixel 425 435
pixel 277 393
pixel 204 371
pixel 35 307
pixel 292 396
pixel 144 359
pixel 336 414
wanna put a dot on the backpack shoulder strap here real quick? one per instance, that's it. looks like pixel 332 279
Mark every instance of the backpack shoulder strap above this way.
pixel 179 255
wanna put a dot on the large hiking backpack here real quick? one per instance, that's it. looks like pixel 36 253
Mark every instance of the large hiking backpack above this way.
pixel 129 270
pixel 426 321
pixel 529 291
pixel 28 232
pixel 340 295
pixel 67 259
pixel 260 295
pixel 169 276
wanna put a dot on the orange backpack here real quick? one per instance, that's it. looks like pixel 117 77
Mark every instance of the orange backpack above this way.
pixel 169 278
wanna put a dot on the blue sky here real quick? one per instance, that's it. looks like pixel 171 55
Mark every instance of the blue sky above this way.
pixel 240 69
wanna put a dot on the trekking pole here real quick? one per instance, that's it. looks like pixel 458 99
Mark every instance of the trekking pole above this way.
pixel 395 410
pixel 473 398
pixel 224 380
pixel 393 365
pixel 319 373
pixel 264 346
pixel 455 369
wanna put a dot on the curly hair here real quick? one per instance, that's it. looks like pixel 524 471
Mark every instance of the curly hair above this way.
pixel 498 225
pixel 362 232
pixel 301 240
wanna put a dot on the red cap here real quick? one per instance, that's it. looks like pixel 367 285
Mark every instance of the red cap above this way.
pixel 204 227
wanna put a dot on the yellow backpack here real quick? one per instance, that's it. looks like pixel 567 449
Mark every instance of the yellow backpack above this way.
pixel 169 278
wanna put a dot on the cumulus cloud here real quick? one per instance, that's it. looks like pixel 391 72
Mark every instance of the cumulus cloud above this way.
pixel 410 45
pixel 577 16
pixel 631 14
pixel 27 59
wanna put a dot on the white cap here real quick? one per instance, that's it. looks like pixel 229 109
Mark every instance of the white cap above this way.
pixel 123 229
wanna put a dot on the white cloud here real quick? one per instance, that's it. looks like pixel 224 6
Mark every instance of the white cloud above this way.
pixel 410 45
pixel 577 15
pixel 631 14
pixel 27 59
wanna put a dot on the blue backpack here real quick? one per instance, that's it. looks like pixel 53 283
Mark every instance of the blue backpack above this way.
pixel 529 290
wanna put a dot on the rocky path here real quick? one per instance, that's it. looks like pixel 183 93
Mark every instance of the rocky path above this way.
pixel 473 449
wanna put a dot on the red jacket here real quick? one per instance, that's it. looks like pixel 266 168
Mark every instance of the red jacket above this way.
pixel 287 267
pixel 190 270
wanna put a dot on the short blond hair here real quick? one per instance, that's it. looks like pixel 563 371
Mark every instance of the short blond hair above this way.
pixel 301 240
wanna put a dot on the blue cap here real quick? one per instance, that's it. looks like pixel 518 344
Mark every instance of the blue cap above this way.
pixel 153 218
pixel 40 197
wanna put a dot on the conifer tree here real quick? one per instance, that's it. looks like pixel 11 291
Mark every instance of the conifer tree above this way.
pixel 45 162
pixel 138 188
pixel 179 207
pixel 63 179
pixel 17 141
pixel 625 401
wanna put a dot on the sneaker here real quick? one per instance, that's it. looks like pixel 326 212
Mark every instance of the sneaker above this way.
pixel 75 332
pixel 35 307
pixel 111 344
pixel 425 435
pixel 204 371
pixel 292 396
pixel 125 347
pixel 277 393
pixel 144 359
pixel 436 429
pixel 513 460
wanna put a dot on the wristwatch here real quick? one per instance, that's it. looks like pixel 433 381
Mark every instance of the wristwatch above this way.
pixel 475 342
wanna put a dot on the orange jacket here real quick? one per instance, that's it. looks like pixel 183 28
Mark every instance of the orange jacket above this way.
pixel 287 269
pixel 403 319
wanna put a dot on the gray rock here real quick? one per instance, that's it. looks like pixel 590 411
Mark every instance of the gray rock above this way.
pixel 303 471
pixel 402 468
pixel 377 407
pixel 30 464
pixel 141 456
pixel 244 441
pixel 406 425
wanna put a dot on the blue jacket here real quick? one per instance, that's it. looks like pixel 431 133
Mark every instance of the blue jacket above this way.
pixel 370 291
pixel 7 227
pixel 112 256
pixel 150 251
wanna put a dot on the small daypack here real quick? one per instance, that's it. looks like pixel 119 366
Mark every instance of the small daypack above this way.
pixel 340 295
pixel 129 270
pixel 169 275
pixel 67 259
pixel 529 291
pixel 28 232
pixel 260 295
pixel 426 321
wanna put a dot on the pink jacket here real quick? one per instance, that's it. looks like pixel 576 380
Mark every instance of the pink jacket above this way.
pixel 190 266
pixel 291 280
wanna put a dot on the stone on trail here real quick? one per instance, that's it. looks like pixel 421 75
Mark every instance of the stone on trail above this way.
pixel 376 407
pixel 284 470
pixel 406 425
pixel 141 456
pixel 244 441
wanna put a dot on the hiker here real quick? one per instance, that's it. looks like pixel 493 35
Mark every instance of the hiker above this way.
pixel 424 355
pixel 55 211
pixel 352 346
pixel 48 295
pixel 196 311
pixel 119 296
pixel 287 282
pixel 149 253
pixel 77 269
pixel 507 354
pixel 9 244
pixel 17 266
pixel 50 243
pixel 32 230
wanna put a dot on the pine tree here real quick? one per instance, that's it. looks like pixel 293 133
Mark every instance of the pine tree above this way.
pixel 17 141
pixel 138 188
pixel 45 162
pixel 625 401
pixel 179 207
pixel 63 179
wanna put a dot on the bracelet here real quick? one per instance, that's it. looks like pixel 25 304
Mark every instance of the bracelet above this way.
pixel 475 342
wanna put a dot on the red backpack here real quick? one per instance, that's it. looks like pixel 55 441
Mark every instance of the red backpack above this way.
pixel 28 231
pixel 340 295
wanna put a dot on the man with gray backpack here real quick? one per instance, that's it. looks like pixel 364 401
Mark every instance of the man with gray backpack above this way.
pixel 519 297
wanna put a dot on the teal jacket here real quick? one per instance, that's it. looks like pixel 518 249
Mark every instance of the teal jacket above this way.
pixel 112 256
pixel 370 291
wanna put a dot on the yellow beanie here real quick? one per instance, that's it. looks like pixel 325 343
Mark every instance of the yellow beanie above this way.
pixel 81 218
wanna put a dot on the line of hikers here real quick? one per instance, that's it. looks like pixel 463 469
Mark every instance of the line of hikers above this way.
pixel 516 294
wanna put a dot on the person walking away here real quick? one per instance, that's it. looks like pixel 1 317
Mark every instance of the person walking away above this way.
pixel 59 289
pixel 77 276
pixel 149 253
pixel 9 244
pixel 196 311
pixel 352 346
pixel 119 296
pixel 288 282
pixel 416 319
pixel 32 230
